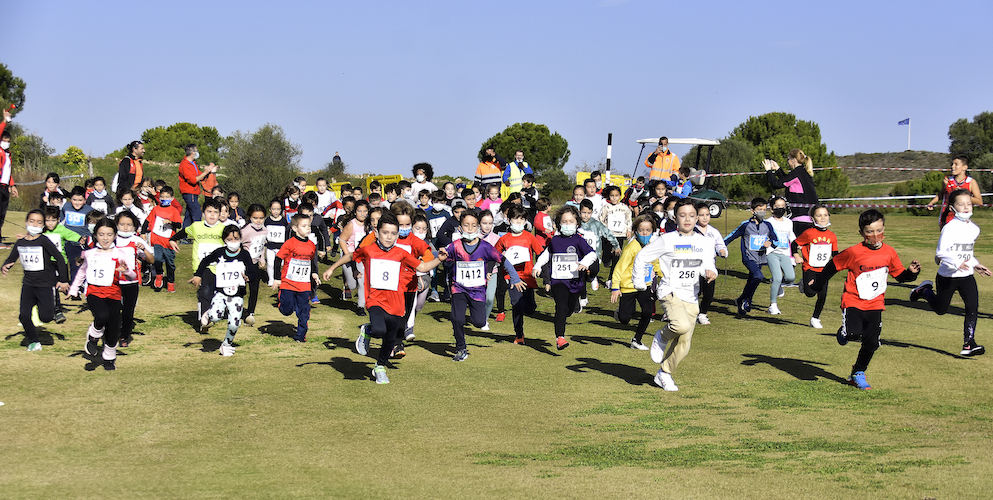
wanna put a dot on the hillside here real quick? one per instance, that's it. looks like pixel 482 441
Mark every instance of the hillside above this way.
pixel 905 159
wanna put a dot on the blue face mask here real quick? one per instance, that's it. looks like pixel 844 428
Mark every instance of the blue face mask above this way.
pixel 165 203
pixel 644 239
pixel 404 232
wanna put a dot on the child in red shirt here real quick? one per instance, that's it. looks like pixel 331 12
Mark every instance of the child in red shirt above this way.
pixel 862 303
pixel 815 248
pixel 385 263
pixel 520 247
pixel 296 263
pixel 160 225
pixel 543 227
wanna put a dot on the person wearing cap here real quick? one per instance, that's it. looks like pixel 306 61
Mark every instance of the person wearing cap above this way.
pixel 131 171
pixel 490 169
pixel 663 163
pixel 7 188
pixel 514 174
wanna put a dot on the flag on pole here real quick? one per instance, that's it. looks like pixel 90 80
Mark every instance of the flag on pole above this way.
pixel 904 122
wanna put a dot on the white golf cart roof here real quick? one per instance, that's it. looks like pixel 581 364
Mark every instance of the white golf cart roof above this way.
pixel 691 141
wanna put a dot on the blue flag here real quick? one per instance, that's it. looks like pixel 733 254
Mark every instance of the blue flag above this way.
pixel 904 122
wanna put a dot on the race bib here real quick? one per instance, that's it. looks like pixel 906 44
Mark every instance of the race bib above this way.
pixel 204 249
pixel 436 224
pixel 615 221
pixel 230 274
pixel 546 222
pixel 783 239
pixel 31 258
pixel 75 219
pixel 649 273
pixel 162 227
pixel 277 234
pixel 56 240
pixel 299 271
pixel 565 266
pixel 132 256
pixel 257 246
pixel 819 255
pixel 685 278
pixel 871 284
pixel 100 270
pixel 99 205
pixel 470 274
pixel 757 241
pixel 517 255
pixel 384 274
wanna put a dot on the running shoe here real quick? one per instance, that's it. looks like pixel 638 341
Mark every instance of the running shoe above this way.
pixel 346 294
pixel 363 340
pixel 59 317
pixel 842 338
pixel 250 320
pixel 91 345
pixel 638 345
pixel 380 373
pixel 361 311
pixel 857 379
pixel 34 346
pixel 918 290
pixel 171 287
pixel 486 327
pixel 816 323
pixel 659 345
pixel 398 351
pixel 434 297
pixel 774 309
pixel 583 303
pixel 462 355
pixel 617 317
pixel 742 306
pixel 782 291
pixel 702 319
pixel 595 284
pixel 158 281
pixel 519 341
pixel 314 302
pixel 409 337
pixel 204 321
pixel 664 380
pixel 561 343
pixel 227 349
pixel 110 364
pixel 970 349
pixel 501 316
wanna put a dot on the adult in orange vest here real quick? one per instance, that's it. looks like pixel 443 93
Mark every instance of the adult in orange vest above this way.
pixel 490 170
pixel 663 163
pixel 131 170
pixel 7 188
pixel 190 177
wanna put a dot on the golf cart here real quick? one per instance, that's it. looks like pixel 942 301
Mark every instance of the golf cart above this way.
pixel 716 202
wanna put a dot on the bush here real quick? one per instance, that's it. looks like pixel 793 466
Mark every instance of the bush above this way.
pixel 930 185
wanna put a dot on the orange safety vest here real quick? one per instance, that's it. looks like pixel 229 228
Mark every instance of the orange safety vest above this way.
pixel 664 166
pixel 138 169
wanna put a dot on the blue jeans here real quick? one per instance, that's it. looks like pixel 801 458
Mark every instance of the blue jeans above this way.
pixel 193 213
pixel 291 301
pixel 755 277
pixel 167 257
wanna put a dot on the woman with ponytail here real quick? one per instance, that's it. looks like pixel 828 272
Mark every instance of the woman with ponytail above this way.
pixel 799 185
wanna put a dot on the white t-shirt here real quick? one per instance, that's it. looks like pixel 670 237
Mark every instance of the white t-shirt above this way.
pixel 683 260
pixel 784 233
pixel 955 246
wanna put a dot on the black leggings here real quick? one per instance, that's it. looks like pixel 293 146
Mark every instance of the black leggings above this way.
pixel 383 325
pixel 522 304
pixel 644 299
pixel 866 325
pixel 707 292
pixel 205 294
pixel 129 299
pixel 966 286
pixel 106 316
pixel 44 298
pixel 808 276
pixel 253 291
pixel 565 303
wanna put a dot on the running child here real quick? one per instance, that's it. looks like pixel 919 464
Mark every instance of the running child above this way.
pixel 126 202
pixel 959 179
pixel 520 247
pixel 386 264
pixel 276 229
pixel 160 226
pixel 707 287
pixel 45 274
pixel 296 263
pixel 100 199
pixel 61 237
pixel 778 255
pixel 863 300
pixel 235 269
pixel 623 291
pixel 757 236
pixel 957 267
pixel 815 248
pixel 683 256
pixel 594 232
pixel 254 237
pixel 422 231
pixel 130 242
pixel 103 268
pixel 206 236
pixel 570 256
pixel 291 200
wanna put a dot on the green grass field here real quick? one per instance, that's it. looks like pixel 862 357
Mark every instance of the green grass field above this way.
pixel 761 411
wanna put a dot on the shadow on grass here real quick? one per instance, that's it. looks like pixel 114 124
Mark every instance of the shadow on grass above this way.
pixel 333 343
pixel 206 345
pixel 44 336
pixel 586 339
pixel 94 362
pixel 801 369
pixel 278 329
pixel 349 368
pixel 630 374
pixel 897 343
pixel 188 317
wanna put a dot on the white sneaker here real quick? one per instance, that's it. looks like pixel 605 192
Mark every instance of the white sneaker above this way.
pixel 774 309
pixel 204 322
pixel 584 302
pixel 815 323
pixel 410 336
pixel 362 341
pixel 34 346
pixel 485 327
pixel 380 373
pixel 250 320
pixel 609 283
pixel 227 350
pixel 595 284
pixel 638 345
pixel 702 319
pixel 658 348
pixel 664 380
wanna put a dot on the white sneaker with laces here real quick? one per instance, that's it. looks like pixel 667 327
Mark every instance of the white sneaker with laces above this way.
pixel 702 319
pixel 595 284
pixel 584 302
pixel 227 350
pixel 664 380
pixel 657 351
pixel 816 323
pixel 774 309
pixel 638 345
pixel 485 327
pixel 380 373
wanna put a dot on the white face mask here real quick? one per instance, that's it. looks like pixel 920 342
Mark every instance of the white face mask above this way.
pixel 5 145
pixel 34 230
pixel 962 215
pixel 822 227
pixel 421 234
pixel 421 178
pixel 233 246
pixel 671 214
pixel 470 236
pixel 91 227
pixel 439 206
pixel 517 228
pixel 125 234
pixel 196 155
pixel 568 229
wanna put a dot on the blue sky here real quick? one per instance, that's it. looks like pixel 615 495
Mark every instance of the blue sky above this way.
pixel 389 84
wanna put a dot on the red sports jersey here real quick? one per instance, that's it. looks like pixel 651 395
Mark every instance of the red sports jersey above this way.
pixel 298 257
pixel 419 249
pixel 383 272
pixel 948 185
pixel 160 232
pixel 520 250
pixel 867 269
pixel 820 241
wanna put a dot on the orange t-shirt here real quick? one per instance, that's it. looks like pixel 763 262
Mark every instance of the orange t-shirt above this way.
pixel 419 249
pixel 812 237
pixel 524 242
pixel 865 285
pixel 387 267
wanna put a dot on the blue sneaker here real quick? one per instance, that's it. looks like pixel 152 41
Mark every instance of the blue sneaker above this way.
pixel 461 355
pixel 858 380
pixel 842 339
